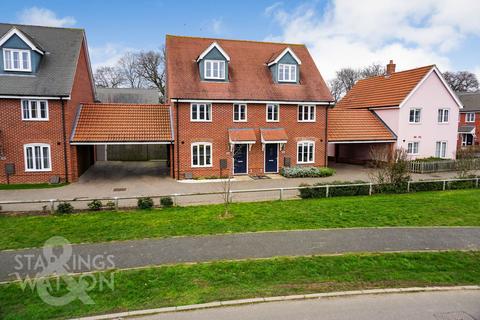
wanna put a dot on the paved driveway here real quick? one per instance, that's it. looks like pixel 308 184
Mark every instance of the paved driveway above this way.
pixel 132 179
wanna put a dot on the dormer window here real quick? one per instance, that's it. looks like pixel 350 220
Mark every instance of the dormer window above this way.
pixel 287 72
pixel 17 60
pixel 215 69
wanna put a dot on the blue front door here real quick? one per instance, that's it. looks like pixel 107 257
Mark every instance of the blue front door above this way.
pixel 240 159
pixel 271 157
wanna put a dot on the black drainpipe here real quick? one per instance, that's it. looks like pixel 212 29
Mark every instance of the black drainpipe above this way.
pixel 326 135
pixel 178 139
pixel 64 129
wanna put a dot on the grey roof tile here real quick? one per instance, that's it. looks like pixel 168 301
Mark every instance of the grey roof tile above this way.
pixel 470 101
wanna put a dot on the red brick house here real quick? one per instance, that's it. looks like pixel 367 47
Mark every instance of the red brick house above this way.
pixel 469 126
pixel 247 106
pixel 44 75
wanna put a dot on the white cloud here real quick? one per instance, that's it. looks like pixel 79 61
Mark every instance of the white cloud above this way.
pixel 107 55
pixel 357 33
pixel 217 26
pixel 44 17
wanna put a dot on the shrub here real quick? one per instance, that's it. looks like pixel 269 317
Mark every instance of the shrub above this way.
pixel 145 203
pixel 110 205
pixel 95 205
pixel 306 172
pixel 426 186
pixel 333 191
pixel 455 185
pixel 64 207
pixel 166 202
pixel 389 188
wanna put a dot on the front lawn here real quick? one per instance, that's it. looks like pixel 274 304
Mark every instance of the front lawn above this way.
pixel 200 283
pixel 449 208
pixel 19 186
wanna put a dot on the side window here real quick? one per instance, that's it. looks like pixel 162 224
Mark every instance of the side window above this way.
pixel 443 115
pixel 273 112
pixel 470 117
pixel 415 114
pixel 412 148
pixel 201 112
pixel 34 110
pixel 239 112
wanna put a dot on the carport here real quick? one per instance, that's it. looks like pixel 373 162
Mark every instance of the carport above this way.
pixel 133 133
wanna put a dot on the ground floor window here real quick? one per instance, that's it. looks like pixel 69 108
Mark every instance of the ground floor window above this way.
pixel 201 154
pixel 305 152
pixel 412 148
pixel 441 149
pixel 37 157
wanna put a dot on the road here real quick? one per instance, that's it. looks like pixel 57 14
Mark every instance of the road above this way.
pixel 447 305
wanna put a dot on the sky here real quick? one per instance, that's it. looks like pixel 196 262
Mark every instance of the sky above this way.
pixel 338 33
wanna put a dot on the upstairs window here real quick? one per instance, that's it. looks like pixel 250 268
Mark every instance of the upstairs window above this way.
pixel 470 117
pixel 215 69
pixel 287 72
pixel 239 112
pixel 201 112
pixel 443 115
pixel 37 157
pixel 34 110
pixel 306 113
pixel 273 112
pixel 16 60
pixel 415 115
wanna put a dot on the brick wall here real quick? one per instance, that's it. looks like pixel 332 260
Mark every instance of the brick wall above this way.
pixel 476 140
pixel 216 132
pixel 16 132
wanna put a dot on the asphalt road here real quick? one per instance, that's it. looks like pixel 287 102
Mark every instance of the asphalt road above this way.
pixel 138 253
pixel 448 305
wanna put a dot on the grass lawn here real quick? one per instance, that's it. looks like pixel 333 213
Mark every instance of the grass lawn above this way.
pixel 190 284
pixel 449 208
pixel 20 186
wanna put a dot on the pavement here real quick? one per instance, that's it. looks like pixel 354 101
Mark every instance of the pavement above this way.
pixel 148 252
pixel 446 305
pixel 135 179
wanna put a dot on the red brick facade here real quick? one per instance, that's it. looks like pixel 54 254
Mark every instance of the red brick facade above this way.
pixel 15 132
pixel 476 139
pixel 216 132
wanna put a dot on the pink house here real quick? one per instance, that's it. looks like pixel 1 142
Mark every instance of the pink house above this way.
pixel 417 106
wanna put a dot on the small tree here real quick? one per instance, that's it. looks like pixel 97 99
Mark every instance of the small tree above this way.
pixel 393 172
pixel 227 186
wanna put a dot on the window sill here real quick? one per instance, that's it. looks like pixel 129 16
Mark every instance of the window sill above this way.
pixel 34 170
pixel 197 167
pixel 307 121
pixel 34 120
pixel 200 120
pixel 240 121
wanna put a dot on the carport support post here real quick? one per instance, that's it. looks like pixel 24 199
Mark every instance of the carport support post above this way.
pixel 476 183
pixel 444 185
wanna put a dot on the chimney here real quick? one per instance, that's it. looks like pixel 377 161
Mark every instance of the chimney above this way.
pixel 390 68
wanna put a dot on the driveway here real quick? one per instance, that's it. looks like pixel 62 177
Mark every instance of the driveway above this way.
pixel 133 179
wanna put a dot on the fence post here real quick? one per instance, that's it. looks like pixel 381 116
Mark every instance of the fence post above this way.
pixel 327 189
pixel 52 206
pixel 175 200
pixel 476 183
pixel 281 194
pixel 408 186
pixel 444 184
pixel 115 200
pixel 370 189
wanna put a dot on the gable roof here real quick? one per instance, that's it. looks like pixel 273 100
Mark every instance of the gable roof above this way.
pixel 384 91
pixel 210 47
pixel 128 95
pixel 356 126
pixel 122 123
pixel 57 67
pixel 25 38
pixel 284 52
pixel 249 76
pixel 470 101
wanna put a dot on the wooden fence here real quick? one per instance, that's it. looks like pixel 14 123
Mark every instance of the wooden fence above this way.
pixel 441 166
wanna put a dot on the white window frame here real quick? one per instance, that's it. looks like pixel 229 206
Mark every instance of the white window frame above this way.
pixel 42 167
pixel 438 153
pixel 306 144
pixel 412 151
pixel 467 117
pixel 301 113
pixel 20 64
pixel 277 106
pixel 445 113
pixel 221 69
pixel 37 107
pixel 204 144
pixel 235 105
pixel 417 114
pixel 290 67
pixel 208 111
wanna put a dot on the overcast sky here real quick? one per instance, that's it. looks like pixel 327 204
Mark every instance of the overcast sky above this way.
pixel 339 33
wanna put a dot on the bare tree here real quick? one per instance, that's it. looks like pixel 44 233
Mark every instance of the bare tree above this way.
pixel 336 88
pixel 108 77
pixel 227 186
pixel 392 174
pixel 151 67
pixel 128 65
pixel 465 162
pixel 461 81
pixel 372 70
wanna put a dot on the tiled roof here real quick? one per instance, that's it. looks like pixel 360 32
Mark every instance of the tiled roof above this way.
pixel 383 91
pixel 242 135
pixel 98 122
pixel 249 76
pixel 274 134
pixel 356 125
pixel 470 101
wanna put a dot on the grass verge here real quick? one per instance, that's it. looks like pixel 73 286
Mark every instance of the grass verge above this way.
pixel 449 208
pixel 21 186
pixel 200 283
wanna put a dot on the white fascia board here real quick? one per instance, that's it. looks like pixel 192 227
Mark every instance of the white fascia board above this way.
pixel 117 143
pixel 213 45
pixel 35 97
pixel 242 142
pixel 17 32
pixel 361 141
pixel 284 52
pixel 327 103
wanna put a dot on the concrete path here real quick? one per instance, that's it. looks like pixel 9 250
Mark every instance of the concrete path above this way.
pixel 139 253
pixel 447 305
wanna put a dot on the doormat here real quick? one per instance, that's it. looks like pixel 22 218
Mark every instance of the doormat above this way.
pixel 119 189
pixel 260 177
